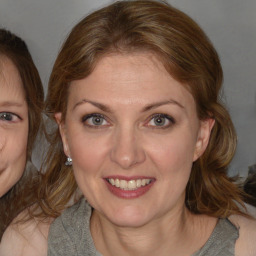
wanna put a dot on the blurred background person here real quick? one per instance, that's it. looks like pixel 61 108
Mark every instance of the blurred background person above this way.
pixel 21 105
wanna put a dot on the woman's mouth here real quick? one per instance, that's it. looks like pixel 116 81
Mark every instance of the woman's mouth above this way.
pixel 130 184
pixel 129 188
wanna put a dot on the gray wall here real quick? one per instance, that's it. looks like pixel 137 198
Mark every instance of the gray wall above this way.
pixel 230 24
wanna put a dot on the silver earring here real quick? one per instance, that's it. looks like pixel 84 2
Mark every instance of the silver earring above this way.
pixel 68 161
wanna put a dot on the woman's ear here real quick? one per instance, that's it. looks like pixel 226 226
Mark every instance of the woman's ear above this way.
pixel 203 137
pixel 62 129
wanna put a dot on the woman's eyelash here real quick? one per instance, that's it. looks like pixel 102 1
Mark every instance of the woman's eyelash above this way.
pixel 170 118
pixel 161 121
pixel 94 120
pixel 9 117
pixel 86 117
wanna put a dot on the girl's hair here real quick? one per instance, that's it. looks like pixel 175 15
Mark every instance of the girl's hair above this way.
pixel 14 48
pixel 23 193
pixel 187 54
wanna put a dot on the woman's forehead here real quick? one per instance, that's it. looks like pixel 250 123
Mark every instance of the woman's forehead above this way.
pixel 130 79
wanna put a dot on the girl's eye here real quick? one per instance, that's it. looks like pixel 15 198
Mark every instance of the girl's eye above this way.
pixel 94 120
pixel 161 121
pixel 9 117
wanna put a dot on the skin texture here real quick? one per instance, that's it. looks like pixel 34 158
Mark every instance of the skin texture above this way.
pixel 29 238
pixel 127 93
pixel 13 126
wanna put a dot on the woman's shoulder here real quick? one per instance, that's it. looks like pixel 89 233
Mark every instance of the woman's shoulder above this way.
pixel 25 238
pixel 246 243
pixel 72 218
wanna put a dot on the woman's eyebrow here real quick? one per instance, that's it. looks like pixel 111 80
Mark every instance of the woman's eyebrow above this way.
pixel 158 104
pixel 96 104
pixel 11 104
pixel 146 108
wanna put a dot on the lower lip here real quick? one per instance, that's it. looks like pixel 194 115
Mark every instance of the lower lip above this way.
pixel 129 194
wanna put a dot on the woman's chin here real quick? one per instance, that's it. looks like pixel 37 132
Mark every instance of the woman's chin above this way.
pixel 129 217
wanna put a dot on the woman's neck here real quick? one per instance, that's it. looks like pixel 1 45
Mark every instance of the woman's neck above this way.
pixel 180 233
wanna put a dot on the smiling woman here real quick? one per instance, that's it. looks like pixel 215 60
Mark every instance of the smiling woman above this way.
pixel 135 91
pixel 21 103
pixel 140 145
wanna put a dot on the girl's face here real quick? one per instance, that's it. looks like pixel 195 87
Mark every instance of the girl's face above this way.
pixel 133 134
pixel 13 125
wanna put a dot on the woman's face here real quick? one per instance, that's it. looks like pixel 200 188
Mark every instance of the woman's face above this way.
pixel 133 134
pixel 13 125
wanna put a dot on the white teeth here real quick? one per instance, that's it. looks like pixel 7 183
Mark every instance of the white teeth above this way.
pixel 129 185
pixel 138 183
pixel 123 184
pixel 117 183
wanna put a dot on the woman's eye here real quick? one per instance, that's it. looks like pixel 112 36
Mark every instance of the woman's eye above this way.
pixel 94 120
pixel 9 117
pixel 161 121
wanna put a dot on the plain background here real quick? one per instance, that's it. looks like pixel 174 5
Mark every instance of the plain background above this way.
pixel 230 24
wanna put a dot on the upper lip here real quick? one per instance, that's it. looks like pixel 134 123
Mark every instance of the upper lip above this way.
pixel 128 178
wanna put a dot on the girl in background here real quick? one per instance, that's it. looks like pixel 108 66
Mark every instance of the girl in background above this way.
pixel 21 105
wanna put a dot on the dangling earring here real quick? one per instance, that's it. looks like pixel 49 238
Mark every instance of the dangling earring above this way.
pixel 68 161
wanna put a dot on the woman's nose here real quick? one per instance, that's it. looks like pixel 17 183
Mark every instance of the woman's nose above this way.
pixel 127 150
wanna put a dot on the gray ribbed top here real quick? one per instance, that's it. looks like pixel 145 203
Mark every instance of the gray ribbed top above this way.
pixel 222 240
pixel 70 235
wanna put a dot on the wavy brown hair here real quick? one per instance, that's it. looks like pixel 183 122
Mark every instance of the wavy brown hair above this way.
pixel 23 194
pixel 188 56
